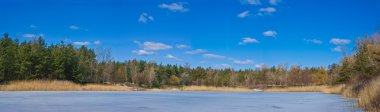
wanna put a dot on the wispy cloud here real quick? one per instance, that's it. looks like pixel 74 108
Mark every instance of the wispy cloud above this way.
pixel 340 44
pixel 338 49
pixel 247 40
pixel 145 18
pixel 223 66
pixel 153 46
pixel 266 11
pixel 213 56
pixel 270 33
pixel 259 65
pixel 250 2
pixel 274 2
pixel 29 35
pixel 315 41
pixel 243 62
pixel 183 46
pixel 74 27
pixel 169 56
pixel 148 47
pixel 142 52
pixel 82 43
pixel 197 51
pixel 243 14
pixel 175 7
pixel 338 41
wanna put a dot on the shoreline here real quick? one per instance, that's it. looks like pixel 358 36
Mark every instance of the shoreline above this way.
pixel 55 85
pixel 323 89
pixel 203 88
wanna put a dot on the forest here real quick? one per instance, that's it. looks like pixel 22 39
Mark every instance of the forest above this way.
pixel 29 60
pixel 35 59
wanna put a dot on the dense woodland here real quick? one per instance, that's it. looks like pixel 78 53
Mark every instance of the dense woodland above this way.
pixel 35 59
pixel 363 65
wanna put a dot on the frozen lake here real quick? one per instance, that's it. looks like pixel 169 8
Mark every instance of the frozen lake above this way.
pixel 173 102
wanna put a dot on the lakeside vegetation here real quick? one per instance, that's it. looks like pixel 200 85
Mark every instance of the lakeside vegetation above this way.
pixel 359 75
pixel 337 89
pixel 213 88
pixel 60 85
pixel 36 60
pixel 56 85
pixel 361 72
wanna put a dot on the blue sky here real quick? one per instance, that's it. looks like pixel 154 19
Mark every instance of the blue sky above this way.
pixel 215 33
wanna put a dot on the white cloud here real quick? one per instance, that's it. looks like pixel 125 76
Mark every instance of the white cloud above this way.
pixel 213 56
pixel 153 46
pixel 270 33
pixel 250 2
pixel 259 65
pixel 175 7
pixel 29 35
pixel 274 2
pixel 315 41
pixel 169 56
pixel 223 66
pixel 243 14
pixel 97 42
pixel 196 51
pixel 74 27
pixel 33 26
pixel 182 46
pixel 338 41
pixel 338 49
pixel 81 43
pixel 243 62
pixel 143 52
pixel 145 18
pixel 247 40
pixel 266 11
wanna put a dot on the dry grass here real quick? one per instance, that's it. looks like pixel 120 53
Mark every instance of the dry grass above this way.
pixel 369 96
pixel 212 88
pixel 202 88
pixel 97 87
pixel 164 89
pixel 333 89
pixel 348 92
pixel 55 85
pixel 324 89
pixel 44 85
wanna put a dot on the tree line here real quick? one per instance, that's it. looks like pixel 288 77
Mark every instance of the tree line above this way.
pixel 363 65
pixel 34 59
